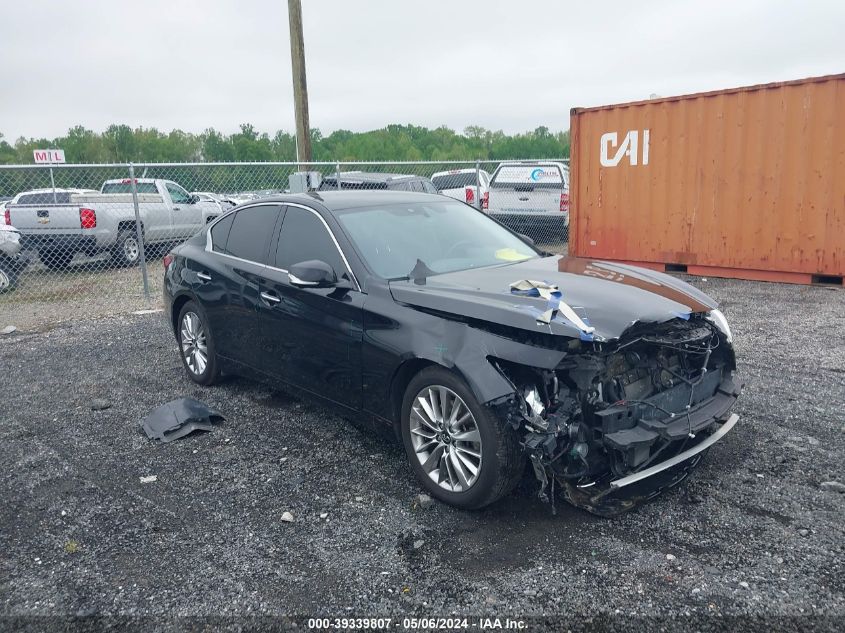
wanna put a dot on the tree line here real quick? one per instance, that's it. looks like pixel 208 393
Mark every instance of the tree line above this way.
pixel 122 143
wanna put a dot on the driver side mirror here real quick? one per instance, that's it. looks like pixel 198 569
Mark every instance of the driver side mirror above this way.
pixel 312 274
pixel 192 199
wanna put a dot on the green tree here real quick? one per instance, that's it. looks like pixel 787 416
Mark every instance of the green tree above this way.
pixel 7 152
pixel 120 143
pixel 395 142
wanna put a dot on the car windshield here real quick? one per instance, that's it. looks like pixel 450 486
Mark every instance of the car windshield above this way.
pixel 444 236
pixel 454 181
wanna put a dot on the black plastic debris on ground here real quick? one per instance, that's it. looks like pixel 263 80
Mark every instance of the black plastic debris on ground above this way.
pixel 178 418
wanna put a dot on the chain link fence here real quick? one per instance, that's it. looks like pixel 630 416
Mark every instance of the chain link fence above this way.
pixel 81 241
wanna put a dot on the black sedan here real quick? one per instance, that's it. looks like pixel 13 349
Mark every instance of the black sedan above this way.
pixel 487 357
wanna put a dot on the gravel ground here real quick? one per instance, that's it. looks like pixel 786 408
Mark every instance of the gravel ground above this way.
pixel 752 540
pixel 91 287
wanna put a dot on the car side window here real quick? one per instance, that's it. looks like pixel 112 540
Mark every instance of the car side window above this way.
pixel 220 233
pixel 177 194
pixel 304 237
pixel 428 187
pixel 251 231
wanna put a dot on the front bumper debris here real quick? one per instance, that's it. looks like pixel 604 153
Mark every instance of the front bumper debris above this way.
pixel 615 424
pixel 677 459
pixel 611 498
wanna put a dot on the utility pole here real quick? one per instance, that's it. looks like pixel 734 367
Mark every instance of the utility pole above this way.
pixel 300 87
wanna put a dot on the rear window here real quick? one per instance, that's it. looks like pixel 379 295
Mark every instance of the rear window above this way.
pixel 126 187
pixel 250 232
pixel 535 176
pixel 454 181
pixel 62 197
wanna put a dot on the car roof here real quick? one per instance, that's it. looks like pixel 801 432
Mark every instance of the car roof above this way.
pixel 50 190
pixel 368 176
pixel 531 163
pixel 451 172
pixel 127 180
pixel 348 199
pixel 47 190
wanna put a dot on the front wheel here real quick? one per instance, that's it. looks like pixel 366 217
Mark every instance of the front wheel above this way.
pixel 196 345
pixel 458 449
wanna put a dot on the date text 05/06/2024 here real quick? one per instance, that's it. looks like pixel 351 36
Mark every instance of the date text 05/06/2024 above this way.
pixel 411 624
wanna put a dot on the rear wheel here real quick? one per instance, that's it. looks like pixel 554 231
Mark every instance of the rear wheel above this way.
pixel 458 449
pixel 196 345
pixel 127 250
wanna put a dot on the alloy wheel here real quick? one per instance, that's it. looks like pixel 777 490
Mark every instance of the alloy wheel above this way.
pixel 445 438
pixel 130 249
pixel 194 344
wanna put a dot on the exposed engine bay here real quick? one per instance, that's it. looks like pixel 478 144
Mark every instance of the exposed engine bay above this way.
pixel 610 410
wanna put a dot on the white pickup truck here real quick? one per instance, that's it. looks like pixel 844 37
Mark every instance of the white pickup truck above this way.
pixel 466 185
pixel 61 225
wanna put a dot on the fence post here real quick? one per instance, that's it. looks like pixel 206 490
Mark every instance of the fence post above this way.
pixel 53 185
pixel 139 234
pixel 478 183
pixel 337 169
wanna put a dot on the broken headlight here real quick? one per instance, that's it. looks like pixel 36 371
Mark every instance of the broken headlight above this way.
pixel 718 319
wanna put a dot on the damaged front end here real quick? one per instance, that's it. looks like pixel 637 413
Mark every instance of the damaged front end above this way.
pixel 616 423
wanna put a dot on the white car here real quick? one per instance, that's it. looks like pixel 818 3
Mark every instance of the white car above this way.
pixel 222 201
pixel 40 196
pixel 465 185
pixel 10 264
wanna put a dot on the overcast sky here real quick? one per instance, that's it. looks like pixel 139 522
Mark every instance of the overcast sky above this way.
pixel 511 65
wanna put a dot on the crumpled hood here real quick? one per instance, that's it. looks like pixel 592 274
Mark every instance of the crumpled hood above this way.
pixel 608 296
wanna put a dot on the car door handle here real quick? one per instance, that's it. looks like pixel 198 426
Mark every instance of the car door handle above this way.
pixel 204 276
pixel 271 298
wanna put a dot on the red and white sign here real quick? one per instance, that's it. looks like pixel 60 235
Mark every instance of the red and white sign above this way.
pixel 51 156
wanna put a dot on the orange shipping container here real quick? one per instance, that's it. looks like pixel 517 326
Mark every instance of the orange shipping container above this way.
pixel 748 182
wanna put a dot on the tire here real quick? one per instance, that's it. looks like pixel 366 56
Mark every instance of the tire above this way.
pixel 191 350
pixel 56 260
pixel 501 461
pixel 126 251
pixel 8 275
